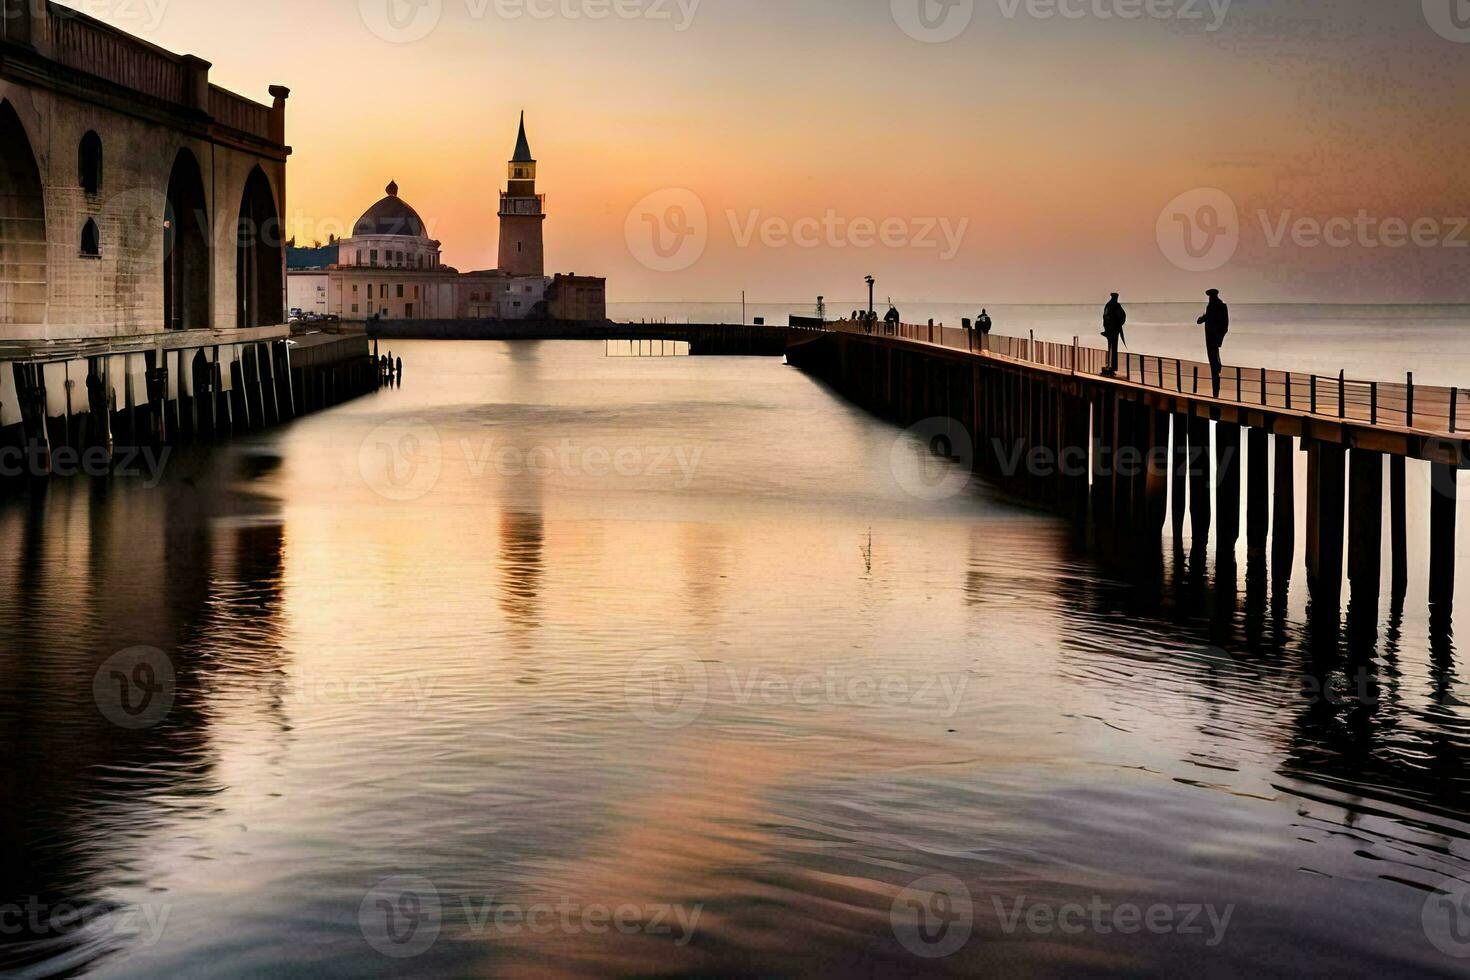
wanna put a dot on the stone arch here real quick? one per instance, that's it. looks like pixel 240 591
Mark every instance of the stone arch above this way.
pixel 89 163
pixel 260 258
pixel 186 265
pixel 22 225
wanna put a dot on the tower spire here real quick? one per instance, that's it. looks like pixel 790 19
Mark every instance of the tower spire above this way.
pixel 523 148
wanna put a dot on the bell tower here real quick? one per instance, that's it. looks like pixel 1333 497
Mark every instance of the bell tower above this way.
pixel 522 213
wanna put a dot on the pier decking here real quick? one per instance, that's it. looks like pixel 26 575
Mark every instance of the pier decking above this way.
pixel 1157 432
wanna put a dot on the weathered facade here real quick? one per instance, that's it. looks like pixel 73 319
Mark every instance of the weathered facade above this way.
pixel 142 261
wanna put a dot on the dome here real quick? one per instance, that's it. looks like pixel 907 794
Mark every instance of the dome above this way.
pixel 390 216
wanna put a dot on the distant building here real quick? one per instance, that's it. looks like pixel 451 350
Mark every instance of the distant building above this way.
pixel 390 268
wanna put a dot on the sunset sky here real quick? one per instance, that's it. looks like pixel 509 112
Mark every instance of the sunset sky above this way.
pixel 1049 146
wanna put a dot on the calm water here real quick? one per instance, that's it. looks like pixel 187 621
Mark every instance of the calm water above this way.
pixel 550 662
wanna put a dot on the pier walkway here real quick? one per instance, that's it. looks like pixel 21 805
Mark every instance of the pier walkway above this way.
pixel 1156 434
pixel 1428 410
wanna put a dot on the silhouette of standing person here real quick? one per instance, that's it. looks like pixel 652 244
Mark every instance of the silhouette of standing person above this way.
pixel 892 318
pixel 400 371
pixel 984 325
pixel 1217 324
pixel 1114 317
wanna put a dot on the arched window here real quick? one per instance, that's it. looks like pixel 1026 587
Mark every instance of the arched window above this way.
pixel 89 163
pixel 91 240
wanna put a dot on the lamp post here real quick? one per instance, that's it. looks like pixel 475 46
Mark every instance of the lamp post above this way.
pixel 870 281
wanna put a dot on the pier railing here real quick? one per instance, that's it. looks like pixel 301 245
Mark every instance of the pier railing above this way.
pixel 1406 405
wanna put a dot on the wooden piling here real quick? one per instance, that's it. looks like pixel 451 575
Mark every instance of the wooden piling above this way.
pixel 1156 474
pixel 1283 519
pixel 1399 522
pixel 1199 478
pixel 1227 486
pixel 1365 524
pixel 1326 497
pixel 1258 489
pixel 1179 462
pixel 1443 496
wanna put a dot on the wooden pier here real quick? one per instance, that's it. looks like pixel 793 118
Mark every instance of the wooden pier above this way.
pixel 100 396
pixel 1046 424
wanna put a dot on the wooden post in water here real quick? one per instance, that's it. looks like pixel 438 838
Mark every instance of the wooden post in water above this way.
pixel 1283 521
pixel 1314 511
pixel 1199 478
pixel 1399 522
pixel 1227 487
pixel 1102 454
pixel 1180 476
pixel 1326 495
pixel 1258 488
pixel 1443 495
pixel 1365 523
pixel 1157 471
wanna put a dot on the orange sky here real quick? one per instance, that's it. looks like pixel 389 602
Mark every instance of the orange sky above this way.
pixel 1052 142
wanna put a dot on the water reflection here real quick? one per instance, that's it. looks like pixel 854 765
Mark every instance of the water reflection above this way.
pixel 367 688
pixel 98 569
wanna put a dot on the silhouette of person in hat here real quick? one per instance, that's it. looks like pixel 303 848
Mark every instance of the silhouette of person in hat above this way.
pixel 983 326
pixel 1217 324
pixel 1114 317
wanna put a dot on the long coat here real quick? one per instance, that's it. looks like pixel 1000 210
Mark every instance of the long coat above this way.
pixel 1216 321
pixel 1114 316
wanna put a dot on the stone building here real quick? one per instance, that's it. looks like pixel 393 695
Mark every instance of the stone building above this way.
pixel 391 269
pixel 141 254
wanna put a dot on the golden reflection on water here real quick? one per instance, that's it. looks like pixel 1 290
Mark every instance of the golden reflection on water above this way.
pixel 448 686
